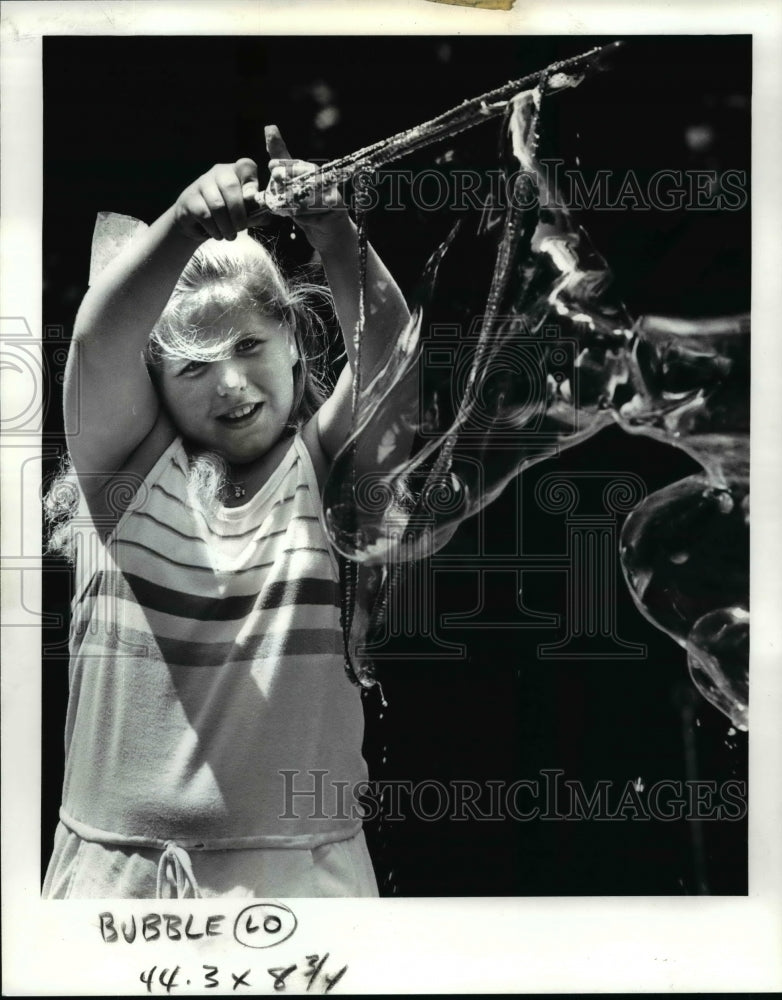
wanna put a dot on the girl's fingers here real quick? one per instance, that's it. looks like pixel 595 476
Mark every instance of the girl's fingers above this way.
pixel 227 180
pixel 246 171
pixel 216 207
pixel 321 197
pixel 275 145
pixel 291 168
pixel 221 202
pixel 199 220
pixel 280 173
pixel 283 168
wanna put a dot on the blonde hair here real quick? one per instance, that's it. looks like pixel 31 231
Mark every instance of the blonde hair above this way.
pixel 60 507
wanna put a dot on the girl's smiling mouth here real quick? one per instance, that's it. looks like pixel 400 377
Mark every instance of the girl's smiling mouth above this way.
pixel 239 415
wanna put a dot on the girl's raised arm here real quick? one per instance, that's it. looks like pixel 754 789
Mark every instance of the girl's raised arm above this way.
pixel 333 234
pixel 110 403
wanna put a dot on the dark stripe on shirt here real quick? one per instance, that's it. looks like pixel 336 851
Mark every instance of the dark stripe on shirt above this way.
pixel 297 642
pixel 170 527
pixel 224 535
pixel 174 602
pixel 308 590
pixel 202 569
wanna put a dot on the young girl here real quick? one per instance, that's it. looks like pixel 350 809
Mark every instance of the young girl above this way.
pixel 213 739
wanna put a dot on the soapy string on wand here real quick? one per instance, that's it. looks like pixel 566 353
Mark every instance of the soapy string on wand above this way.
pixel 466 115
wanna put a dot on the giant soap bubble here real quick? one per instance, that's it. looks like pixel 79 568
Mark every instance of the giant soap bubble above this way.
pixel 532 357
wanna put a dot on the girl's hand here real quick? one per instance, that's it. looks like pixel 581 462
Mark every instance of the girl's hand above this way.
pixel 320 212
pixel 217 203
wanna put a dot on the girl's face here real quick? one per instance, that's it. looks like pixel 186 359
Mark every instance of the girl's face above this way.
pixel 237 406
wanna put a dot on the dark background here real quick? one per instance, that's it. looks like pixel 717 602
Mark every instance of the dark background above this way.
pixel 129 122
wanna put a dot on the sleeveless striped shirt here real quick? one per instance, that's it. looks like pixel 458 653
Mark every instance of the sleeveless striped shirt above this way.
pixel 208 699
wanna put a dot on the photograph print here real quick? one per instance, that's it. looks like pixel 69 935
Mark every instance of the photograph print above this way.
pixel 396 466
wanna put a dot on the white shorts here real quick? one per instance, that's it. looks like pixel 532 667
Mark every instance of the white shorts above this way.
pixel 84 869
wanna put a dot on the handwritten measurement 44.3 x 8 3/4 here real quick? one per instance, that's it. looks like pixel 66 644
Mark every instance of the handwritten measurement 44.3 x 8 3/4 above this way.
pixel 310 973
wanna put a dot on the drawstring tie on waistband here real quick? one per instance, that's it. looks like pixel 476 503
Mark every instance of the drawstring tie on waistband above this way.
pixel 175 872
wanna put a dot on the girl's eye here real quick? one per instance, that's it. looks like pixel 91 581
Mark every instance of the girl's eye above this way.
pixel 247 344
pixel 192 367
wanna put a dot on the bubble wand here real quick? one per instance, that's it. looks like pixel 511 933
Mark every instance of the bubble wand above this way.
pixel 294 192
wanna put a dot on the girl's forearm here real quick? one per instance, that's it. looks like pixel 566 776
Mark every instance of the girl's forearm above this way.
pixel 109 402
pixel 385 310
